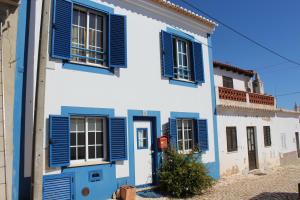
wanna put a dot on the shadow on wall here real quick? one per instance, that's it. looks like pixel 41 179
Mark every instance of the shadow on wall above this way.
pixel 276 195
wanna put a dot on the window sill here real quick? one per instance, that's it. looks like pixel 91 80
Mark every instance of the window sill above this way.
pixel 178 82
pixel 89 163
pixel 88 68
pixel 232 152
pixel 268 146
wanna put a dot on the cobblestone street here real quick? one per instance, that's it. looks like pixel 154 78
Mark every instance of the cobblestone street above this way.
pixel 280 183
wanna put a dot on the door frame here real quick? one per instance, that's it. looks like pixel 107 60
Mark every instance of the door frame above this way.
pixel 256 150
pixel 154 118
pixel 297 144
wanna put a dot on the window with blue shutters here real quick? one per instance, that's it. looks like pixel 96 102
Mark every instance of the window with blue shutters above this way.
pixel 181 58
pixel 117 139
pixel 90 37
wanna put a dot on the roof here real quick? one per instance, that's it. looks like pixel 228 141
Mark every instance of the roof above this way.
pixel 174 7
pixel 235 69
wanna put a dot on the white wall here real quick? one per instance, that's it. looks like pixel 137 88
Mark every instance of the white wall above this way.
pixel 140 86
pixel 238 79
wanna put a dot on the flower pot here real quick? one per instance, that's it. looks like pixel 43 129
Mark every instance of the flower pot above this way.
pixel 127 192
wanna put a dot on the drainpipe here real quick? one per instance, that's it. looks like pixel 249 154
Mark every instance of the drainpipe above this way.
pixel 3 108
pixel 39 128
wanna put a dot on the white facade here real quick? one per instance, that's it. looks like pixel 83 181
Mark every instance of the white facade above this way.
pixel 239 114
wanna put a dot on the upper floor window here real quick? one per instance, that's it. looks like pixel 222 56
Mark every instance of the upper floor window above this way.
pixel 88 37
pixel 88 138
pixel 182 66
pixel 185 135
pixel 227 82
pixel 267 136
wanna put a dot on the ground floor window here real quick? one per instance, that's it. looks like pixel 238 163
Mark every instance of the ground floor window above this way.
pixel 267 136
pixel 185 135
pixel 88 139
pixel 231 139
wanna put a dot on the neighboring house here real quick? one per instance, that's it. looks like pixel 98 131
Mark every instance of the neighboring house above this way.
pixel 116 71
pixel 13 23
pixel 253 133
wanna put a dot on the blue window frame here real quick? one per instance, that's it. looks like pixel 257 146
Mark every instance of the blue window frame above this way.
pixel 142 138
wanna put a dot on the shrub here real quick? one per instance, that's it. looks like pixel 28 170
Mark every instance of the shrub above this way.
pixel 181 175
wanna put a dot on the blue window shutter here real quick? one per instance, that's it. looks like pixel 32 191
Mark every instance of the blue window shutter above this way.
pixel 62 29
pixel 59 186
pixel 202 133
pixel 59 139
pixel 167 54
pixel 197 59
pixel 117 139
pixel 117 41
pixel 173 133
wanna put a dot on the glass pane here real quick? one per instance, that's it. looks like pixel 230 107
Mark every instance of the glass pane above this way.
pixel 180 145
pixel 99 150
pixel 74 35
pixel 73 139
pixel 99 23
pixel 99 138
pixel 75 17
pixel 92 21
pixel 91 124
pixel 184 47
pixel 81 153
pixel 73 124
pixel 82 21
pixel 73 153
pixel 92 38
pixel 81 138
pixel 190 144
pixel 99 124
pixel 80 125
pixel 186 145
pixel 99 39
pixel 145 143
pixel 91 138
pixel 92 152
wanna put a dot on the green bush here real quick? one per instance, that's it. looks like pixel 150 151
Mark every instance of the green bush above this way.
pixel 181 175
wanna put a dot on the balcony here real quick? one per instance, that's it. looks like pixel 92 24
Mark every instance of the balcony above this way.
pixel 231 97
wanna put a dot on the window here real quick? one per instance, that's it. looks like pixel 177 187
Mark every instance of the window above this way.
pixel 88 37
pixel 88 136
pixel 227 82
pixel 185 134
pixel 182 66
pixel 231 139
pixel 267 136
pixel 142 138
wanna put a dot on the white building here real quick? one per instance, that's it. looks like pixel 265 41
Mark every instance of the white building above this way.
pixel 252 132
pixel 116 72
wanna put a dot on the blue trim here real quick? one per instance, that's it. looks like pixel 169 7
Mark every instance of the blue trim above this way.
pixel 140 115
pixel 87 111
pixel 180 33
pixel 137 138
pixel 93 5
pixel 183 83
pixel 19 100
pixel 189 115
pixel 214 168
pixel 88 68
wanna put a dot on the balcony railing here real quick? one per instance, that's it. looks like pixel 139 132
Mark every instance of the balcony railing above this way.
pixel 248 97
pixel 231 94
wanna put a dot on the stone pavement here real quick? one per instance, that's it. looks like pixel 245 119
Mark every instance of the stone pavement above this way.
pixel 279 184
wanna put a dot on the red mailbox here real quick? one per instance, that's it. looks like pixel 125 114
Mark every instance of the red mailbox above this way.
pixel 162 142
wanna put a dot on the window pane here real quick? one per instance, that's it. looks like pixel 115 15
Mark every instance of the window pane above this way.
pixel 91 138
pixel 180 145
pixel 91 124
pixel 91 152
pixel 80 125
pixel 73 139
pixel 99 138
pixel 99 23
pixel 75 17
pixel 92 20
pixel 82 19
pixel 81 153
pixel 99 150
pixel 81 138
pixel 73 153
pixel 99 123
pixel 73 124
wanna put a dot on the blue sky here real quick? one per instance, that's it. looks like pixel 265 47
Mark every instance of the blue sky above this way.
pixel 275 24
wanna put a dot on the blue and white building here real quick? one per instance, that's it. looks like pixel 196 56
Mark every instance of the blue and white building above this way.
pixel 116 72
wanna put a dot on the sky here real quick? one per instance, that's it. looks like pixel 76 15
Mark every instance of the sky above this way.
pixel 273 23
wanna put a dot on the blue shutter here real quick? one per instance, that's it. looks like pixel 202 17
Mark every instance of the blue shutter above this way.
pixel 167 54
pixel 62 29
pixel 202 134
pixel 173 133
pixel 117 41
pixel 117 139
pixel 59 139
pixel 59 186
pixel 197 59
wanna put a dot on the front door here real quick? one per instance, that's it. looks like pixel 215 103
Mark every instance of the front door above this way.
pixel 297 144
pixel 251 148
pixel 142 152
